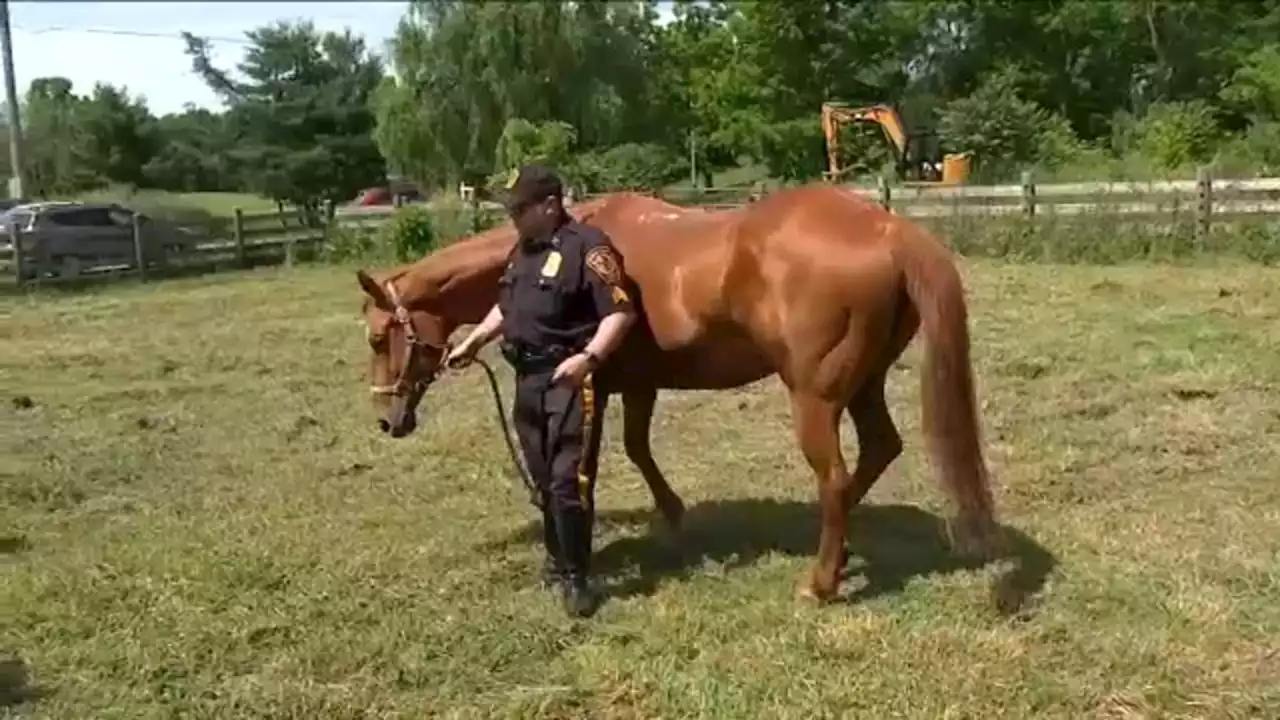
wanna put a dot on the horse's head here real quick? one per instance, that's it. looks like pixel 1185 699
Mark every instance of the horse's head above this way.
pixel 409 314
pixel 409 347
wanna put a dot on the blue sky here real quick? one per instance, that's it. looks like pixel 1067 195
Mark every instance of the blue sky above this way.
pixel 82 41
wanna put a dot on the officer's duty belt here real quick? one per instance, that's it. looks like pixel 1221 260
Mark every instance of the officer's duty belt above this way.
pixel 529 360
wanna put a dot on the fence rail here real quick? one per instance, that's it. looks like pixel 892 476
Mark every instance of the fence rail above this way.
pixel 141 249
pixel 289 236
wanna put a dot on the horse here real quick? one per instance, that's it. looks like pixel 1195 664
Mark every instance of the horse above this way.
pixel 815 284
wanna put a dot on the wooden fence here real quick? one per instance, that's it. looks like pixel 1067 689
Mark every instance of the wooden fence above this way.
pixel 247 239
pixel 1206 200
pixel 251 239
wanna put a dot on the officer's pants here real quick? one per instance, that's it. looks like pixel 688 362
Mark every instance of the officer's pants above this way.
pixel 558 426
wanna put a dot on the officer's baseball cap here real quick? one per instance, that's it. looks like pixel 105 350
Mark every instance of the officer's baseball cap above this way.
pixel 531 184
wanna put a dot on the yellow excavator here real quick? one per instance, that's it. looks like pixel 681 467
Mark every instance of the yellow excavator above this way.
pixel 917 156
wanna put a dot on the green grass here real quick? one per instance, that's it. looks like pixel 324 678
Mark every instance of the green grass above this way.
pixel 217 204
pixel 200 520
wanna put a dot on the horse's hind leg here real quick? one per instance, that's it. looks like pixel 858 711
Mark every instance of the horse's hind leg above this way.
pixel 817 425
pixel 637 416
pixel 879 443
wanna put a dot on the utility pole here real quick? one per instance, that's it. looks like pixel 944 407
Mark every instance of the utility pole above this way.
pixel 16 188
pixel 693 159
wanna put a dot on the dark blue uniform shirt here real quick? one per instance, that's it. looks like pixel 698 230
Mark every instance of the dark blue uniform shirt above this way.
pixel 556 290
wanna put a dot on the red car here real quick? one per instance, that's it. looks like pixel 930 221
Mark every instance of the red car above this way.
pixel 385 195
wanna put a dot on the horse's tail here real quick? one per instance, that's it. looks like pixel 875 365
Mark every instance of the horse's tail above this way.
pixel 950 410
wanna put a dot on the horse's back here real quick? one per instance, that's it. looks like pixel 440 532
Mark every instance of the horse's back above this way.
pixel 676 256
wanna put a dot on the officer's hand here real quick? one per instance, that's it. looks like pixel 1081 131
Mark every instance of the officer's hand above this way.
pixel 461 355
pixel 572 370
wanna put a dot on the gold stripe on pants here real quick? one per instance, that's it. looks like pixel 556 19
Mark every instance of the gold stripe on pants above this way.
pixel 588 432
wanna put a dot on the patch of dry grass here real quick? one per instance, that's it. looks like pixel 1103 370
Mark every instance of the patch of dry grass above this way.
pixel 200 520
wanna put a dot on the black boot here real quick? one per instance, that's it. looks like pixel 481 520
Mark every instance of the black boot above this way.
pixel 574 526
pixel 553 569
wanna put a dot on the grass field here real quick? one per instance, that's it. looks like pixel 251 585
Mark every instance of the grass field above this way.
pixel 200 520
pixel 218 204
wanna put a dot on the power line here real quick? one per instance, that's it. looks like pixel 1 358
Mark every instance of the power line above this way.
pixel 127 33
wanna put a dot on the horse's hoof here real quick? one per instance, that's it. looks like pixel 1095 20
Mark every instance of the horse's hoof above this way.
pixel 673 517
pixel 808 592
pixel 665 536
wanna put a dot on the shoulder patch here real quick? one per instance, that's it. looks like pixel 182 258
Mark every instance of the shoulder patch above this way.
pixel 603 261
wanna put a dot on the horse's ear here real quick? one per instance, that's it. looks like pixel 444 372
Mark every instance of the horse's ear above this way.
pixel 372 288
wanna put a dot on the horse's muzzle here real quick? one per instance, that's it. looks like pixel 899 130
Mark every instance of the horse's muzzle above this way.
pixel 398 427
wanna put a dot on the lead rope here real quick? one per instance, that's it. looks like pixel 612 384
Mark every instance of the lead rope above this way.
pixel 535 497
pixel 402 315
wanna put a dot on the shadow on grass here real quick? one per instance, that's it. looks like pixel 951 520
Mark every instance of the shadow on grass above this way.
pixel 888 546
pixel 12 544
pixel 15 688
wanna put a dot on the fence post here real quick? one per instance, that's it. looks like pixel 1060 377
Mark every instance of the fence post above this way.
pixel 139 252
pixel 237 233
pixel 474 203
pixel 304 217
pixel 1204 201
pixel 1028 193
pixel 886 194
pixel 15 237
pixel 326 227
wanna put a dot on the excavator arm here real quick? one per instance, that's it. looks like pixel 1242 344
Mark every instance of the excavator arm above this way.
pixel 834 115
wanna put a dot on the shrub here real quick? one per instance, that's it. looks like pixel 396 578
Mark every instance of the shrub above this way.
pixel 1177 134
pixel 646 167
pixel 524 142
pixel 408 234
pixel 1257 154
pixel 1004 131
pixel 348 244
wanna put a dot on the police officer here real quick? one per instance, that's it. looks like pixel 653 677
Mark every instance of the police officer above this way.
pixel 562 309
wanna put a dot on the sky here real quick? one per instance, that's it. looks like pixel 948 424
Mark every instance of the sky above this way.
pixel 90 42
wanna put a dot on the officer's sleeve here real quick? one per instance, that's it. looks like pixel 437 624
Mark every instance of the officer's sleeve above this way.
pixel 604 276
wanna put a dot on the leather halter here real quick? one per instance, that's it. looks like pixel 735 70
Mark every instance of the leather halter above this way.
pixel 412 344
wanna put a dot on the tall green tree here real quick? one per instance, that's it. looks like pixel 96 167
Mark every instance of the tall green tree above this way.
pixel 119 135
pixel 56 157
pixel 195 155
pixel 300 112
pixel 463 70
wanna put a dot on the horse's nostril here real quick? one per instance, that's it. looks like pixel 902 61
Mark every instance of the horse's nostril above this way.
pixel 383 425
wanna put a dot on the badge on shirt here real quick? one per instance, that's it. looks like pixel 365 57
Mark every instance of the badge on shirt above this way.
pixel 551 267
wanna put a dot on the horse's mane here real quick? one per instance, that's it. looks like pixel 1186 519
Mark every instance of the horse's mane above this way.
pixel 477 252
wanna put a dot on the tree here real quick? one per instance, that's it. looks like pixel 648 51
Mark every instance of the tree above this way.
pixel 464 70
pixel 119 135
pixel 301 116
pixel 525 142
pixel 195 154
pixel 56 157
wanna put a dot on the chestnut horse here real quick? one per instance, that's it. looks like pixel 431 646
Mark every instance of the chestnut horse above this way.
pixel 815 284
